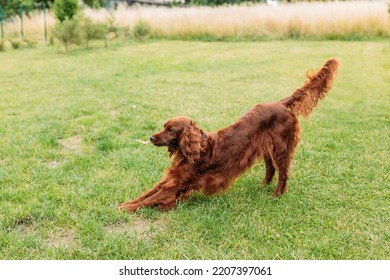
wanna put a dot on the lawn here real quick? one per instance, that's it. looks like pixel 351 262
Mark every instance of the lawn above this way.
pixel 73 132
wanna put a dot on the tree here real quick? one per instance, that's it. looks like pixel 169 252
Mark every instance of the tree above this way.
pixel 96 3
pixel 48 3
pixel 65 9
pixel 141 30
pixel 93 31
pixel 67 32
pixel 11 7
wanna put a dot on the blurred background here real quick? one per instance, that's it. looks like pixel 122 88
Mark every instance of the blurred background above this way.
pixel 29 22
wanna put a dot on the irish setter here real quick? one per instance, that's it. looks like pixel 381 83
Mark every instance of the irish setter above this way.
pixel 209 162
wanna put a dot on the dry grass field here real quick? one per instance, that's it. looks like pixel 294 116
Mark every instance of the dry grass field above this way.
pixel 330 20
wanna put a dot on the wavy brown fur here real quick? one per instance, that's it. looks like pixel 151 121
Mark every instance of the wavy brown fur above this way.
pixel 305 99
pixel 210 162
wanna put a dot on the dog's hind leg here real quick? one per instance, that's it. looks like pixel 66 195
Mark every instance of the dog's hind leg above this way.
pixel 269 170
pixel 283 159
pixel 283 166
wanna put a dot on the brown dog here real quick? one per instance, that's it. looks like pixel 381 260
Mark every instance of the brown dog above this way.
pixel 209 162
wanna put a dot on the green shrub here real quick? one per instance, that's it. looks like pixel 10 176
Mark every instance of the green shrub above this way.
pixel 16 44
pixel 113 28
pixel 51 40
pixel 141 30
pixel 93 31
pixel 68 32
pixel 126 32
pixel 30 43
pixel 2 45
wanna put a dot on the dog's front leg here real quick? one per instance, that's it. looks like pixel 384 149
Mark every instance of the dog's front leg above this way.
pixel 145 195
pixel 163 198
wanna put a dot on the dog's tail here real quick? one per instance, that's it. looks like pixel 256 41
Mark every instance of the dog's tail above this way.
pixel 305 99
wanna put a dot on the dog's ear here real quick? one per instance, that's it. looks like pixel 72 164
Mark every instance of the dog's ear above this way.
pixel 190 143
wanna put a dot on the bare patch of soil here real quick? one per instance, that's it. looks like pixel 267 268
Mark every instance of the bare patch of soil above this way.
pixel 72 143
pixel 61 239
pixel 140 228
pixel 53 164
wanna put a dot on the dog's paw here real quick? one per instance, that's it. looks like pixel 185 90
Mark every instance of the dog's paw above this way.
pixel 128 207
pixel 276 194
pixel 265 182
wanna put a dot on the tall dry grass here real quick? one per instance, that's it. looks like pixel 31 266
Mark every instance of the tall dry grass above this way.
pixel 33 26
pixel 327 20
pixel 318 20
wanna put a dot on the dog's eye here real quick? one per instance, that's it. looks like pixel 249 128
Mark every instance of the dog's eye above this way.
pixel 169 129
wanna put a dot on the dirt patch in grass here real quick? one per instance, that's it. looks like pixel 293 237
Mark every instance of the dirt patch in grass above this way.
pixel 53 164
pixel 114 112
pixel 72 143
pixel 61 239
pixel 24 229
pixel 140 228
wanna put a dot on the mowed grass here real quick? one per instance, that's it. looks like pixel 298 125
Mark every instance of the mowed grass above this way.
pixel 73 132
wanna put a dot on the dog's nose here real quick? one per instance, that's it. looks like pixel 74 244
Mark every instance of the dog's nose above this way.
pixel 152 138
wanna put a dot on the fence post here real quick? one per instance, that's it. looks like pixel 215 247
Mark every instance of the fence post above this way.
pixel 21 19
pixel 1 22
pixel 44 19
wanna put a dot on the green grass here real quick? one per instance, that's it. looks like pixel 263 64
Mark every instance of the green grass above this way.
pixel 71 149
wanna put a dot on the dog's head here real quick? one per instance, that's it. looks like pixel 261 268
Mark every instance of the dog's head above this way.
pixel 181 135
